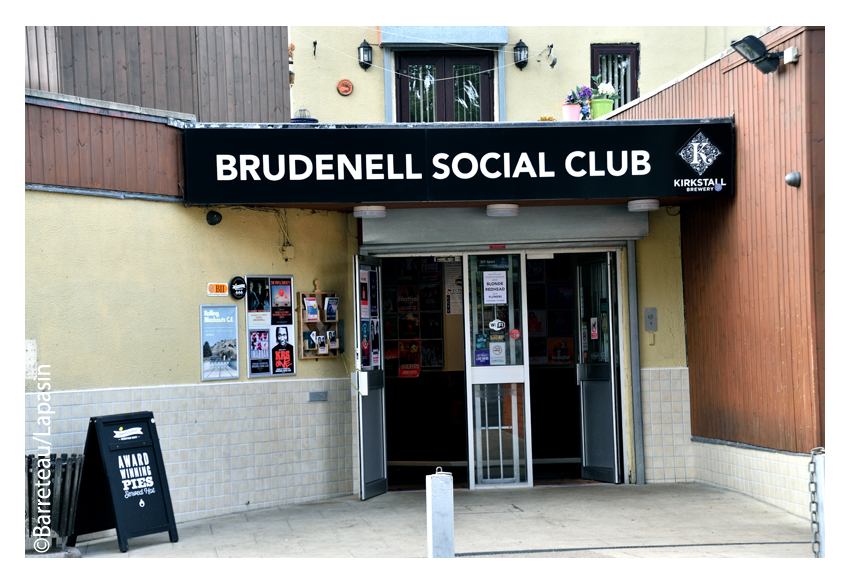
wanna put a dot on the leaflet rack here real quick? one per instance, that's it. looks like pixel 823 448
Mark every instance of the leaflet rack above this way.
pixel 321 326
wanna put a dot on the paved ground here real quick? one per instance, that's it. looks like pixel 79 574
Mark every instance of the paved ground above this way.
pixel 597 521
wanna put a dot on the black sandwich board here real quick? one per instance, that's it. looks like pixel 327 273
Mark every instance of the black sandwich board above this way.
pixel 124 484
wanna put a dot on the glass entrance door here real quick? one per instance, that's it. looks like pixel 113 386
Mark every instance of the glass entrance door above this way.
pixel 496 362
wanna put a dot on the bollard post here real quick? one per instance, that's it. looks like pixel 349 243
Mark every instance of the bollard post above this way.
pixel 440 511
pixel 819 458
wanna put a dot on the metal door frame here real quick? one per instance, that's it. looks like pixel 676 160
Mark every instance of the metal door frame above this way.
pixel 524 253
pixel 369 378
pixel 621 459
pixel 479 376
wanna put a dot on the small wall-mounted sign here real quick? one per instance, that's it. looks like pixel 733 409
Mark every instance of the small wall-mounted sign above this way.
pixel 345 87
pixel 237 288
pixel 217 289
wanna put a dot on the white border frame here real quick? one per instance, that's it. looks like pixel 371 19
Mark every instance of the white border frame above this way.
pixel 296 310
pixel 236 330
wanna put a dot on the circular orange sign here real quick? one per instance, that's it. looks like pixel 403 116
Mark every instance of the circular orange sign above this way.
pixel 345 87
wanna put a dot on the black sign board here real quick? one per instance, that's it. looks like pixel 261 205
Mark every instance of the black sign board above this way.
pixel 459 162
pixel 124 484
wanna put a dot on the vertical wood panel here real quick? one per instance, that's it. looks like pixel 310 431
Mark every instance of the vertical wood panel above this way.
pixel 107 67
pixel 160 83
pixel 753 264
pixel 77 149
pixel 119 64
pixel 60 147
pixel 134 65
pixel 172 69
pixel 148 92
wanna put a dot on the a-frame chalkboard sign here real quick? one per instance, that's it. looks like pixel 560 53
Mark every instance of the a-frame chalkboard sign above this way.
pixel 124 484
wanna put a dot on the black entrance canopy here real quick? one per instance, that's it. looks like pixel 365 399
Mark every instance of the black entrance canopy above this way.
pixel 458 162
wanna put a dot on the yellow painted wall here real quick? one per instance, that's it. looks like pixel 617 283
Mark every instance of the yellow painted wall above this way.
pixel 316 77
pixel 659 283
pixel 113 287
pixel 535 91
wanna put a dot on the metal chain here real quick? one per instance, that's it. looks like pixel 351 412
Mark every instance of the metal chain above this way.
pixel 813 503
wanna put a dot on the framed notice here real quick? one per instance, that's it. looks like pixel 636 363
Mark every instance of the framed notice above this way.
pixel 270 330
pixel 219 346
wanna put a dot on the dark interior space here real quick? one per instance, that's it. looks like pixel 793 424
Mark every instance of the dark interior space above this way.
pixel 426 428
pixel 556 424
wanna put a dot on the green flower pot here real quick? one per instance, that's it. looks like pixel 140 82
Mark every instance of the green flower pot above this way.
pixel 600 107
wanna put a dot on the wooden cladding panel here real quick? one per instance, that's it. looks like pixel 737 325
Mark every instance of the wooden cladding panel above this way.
pixel 84 150
pixel 42 62
pixel 219 74
pixel 146 66
pixel 243 74
pixel 753 266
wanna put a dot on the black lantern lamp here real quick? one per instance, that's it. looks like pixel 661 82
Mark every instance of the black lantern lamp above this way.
pixel 520 54
pixel 364 54
pixel 754 51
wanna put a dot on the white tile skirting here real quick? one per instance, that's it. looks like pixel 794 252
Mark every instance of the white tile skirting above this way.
pixel 666 407
pixel 670 455
pixel 227 447
pixel 778 478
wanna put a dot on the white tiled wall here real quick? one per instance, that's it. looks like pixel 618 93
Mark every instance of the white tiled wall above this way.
pixel 778 478
pixel 228 447
pixel 665 402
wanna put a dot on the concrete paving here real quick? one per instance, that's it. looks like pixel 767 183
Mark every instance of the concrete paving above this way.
pixel 593 521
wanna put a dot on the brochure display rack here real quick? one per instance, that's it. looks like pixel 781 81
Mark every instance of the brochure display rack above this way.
pixel 318 325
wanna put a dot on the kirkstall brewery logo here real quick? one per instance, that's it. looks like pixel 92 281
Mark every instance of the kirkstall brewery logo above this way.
pixel 699 153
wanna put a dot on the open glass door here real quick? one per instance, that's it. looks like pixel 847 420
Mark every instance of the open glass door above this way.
pixel 597 369
pixel 496 362
pixel 369 364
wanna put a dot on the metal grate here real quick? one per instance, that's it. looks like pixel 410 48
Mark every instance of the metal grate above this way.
pixel 64 488
pixel 467 93
pixel 616 70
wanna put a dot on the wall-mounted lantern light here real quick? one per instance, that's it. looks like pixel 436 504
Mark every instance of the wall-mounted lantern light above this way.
pixel 520 54
pixel 754 51
pixel 364 54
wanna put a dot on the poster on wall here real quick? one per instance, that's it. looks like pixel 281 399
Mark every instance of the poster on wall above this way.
pixel 429 297
pixel 271 326
pixel 373 294
pixel 257 299
pixel 408 325
pixel 365 341
pixel 281 293
pixel 432 354
pixel 364 294
pixel 561 351
pixel 408 299
pixel 219 346
pixel 391 359
pixel 376 342
pixel 409 364
pixel 259 354
pixel 283 354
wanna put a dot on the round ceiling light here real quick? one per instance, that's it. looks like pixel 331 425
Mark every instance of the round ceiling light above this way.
pixel 643 205
pixel 370 212
pixel 502 210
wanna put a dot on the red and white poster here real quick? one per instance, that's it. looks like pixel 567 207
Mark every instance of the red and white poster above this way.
pixel 594 330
